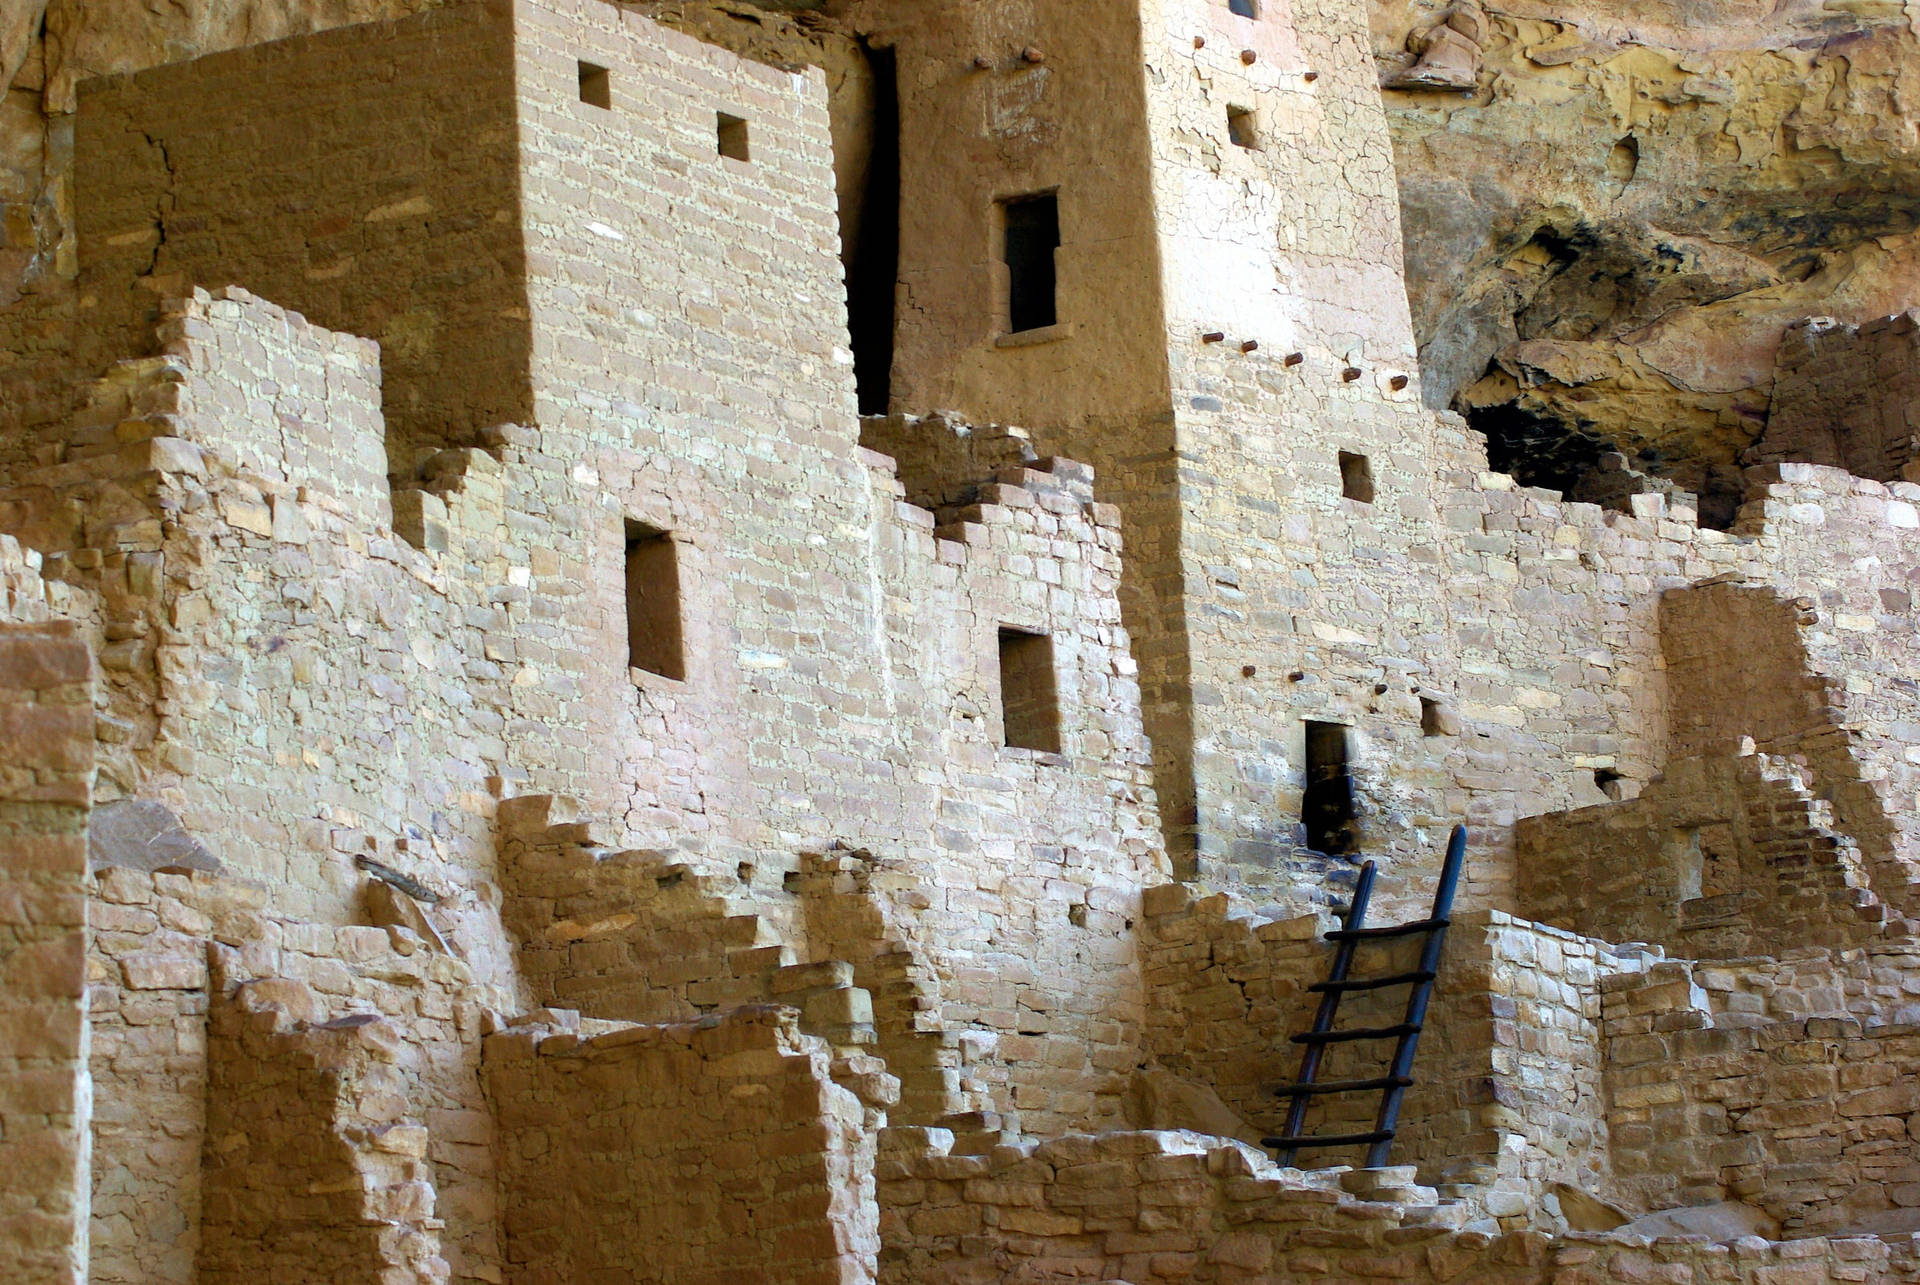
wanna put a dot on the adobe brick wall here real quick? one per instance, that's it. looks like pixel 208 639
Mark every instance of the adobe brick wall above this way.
pixel 46 780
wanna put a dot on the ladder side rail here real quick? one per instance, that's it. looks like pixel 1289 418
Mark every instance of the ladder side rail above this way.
pixel 1329 1006
pixel 1388 1120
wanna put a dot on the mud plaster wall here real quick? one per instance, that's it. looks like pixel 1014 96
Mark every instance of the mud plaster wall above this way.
pixel 46 720
pixel 176 186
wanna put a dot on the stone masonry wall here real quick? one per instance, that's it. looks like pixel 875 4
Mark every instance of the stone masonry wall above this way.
pixel 1848 396
pixel 1158 1208
pixel 46 723
pixel 1718 857
pixel 1809 1119
pixel 151 985
pixel 1508 1095
pixel 313 1171
pixel 705 1152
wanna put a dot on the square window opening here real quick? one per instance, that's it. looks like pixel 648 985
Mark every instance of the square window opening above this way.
pixel 1240 128
pixel 1029 697
pixel 1245 8
pixel 733 137
pixel 1326 805
pixel 1030 233
pixel 654 640
pixel 596 86
pixel 1356 477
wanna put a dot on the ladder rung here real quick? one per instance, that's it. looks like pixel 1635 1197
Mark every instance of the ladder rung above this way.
pixel 1358 1033
pixel 1292 1141
pixel 1344 1086
pixel 1372 983
pixel 1391 930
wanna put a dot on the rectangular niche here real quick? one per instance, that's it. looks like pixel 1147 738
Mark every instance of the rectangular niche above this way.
pixel 1029 697
pixel 596 86
pixel 654 641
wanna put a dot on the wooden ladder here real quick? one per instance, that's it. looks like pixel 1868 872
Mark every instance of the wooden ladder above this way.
pixel 1393 1085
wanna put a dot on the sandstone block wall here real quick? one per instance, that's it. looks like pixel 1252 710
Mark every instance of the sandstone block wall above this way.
pixel 1155 1208
pixel 1848 396
pixel 46 724
pixel 1808 1119
pixel 702 1152
pixel 1718 857
pixel 170 948
pixel 313 1171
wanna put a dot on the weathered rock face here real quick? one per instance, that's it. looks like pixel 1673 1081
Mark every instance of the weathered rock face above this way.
pixel 1613 211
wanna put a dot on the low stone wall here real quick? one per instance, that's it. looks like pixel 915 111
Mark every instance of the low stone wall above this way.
pixel 46 777
pixel 1160 1208
pixel 1812 1120
pixel 719 1150
pixel 1507 1091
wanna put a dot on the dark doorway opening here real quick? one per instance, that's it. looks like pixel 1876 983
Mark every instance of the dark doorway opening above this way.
pixel 1032 228
pixel 1326 807
pixel 875 261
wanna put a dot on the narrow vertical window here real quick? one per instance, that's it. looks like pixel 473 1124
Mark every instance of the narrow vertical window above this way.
pixel 1031 226
pixel 1356 477
pixel 653 602
pixel 733 137
pixel 1326 806
pixel 1029 699
pixel 1240 128
pixel 596 86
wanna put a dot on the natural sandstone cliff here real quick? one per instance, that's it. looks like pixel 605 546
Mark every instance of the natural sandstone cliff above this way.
pixel 1613 210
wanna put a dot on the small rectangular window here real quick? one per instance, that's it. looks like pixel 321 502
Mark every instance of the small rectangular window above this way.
pixel 1245 8
pixel 1240 127
pixel 596 86
pixel 1356 477
pixel 653 602
pixel 1029 700
pixel 1326 805
pixel 1031 229
pixel 733 137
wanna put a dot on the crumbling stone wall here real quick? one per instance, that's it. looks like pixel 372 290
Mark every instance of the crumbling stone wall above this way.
pixel 152 989
pixel 708 1151
pixel 1846 396
pixel 1718 857
pixel 1156 1208
pixel 1809 1119
pixel 46 779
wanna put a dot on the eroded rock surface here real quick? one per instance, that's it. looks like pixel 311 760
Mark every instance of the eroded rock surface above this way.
pixel 1609 230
